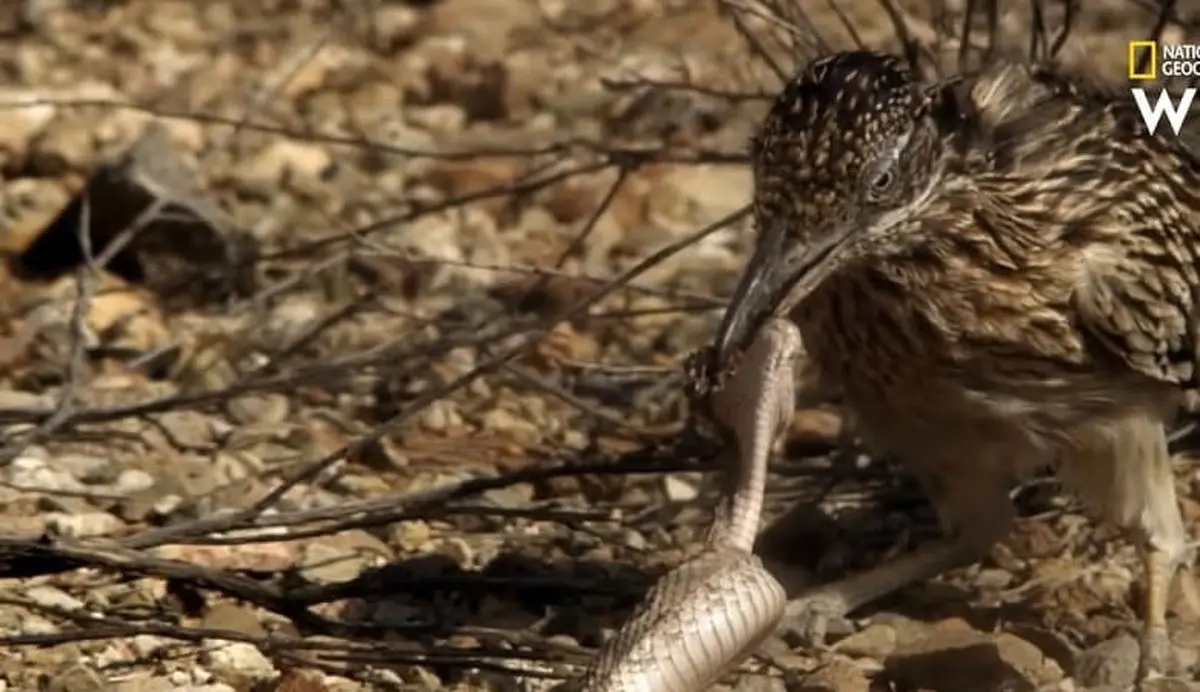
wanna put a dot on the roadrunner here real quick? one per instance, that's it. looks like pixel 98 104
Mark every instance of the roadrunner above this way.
pixel 1000 274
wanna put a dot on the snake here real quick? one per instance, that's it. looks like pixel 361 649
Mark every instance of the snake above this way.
pixel 702 618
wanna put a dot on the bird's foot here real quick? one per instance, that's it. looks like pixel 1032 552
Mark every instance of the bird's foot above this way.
pixel 1156 657
pixel 810 618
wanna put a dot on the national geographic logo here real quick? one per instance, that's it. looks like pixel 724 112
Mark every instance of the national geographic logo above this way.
pixel 1146 61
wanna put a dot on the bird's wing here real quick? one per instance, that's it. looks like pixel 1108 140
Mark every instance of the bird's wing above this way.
pixel 1074 162
pixel 1139 293
pixel 1079 150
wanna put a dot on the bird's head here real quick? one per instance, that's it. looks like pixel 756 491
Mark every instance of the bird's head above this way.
pixel 842 162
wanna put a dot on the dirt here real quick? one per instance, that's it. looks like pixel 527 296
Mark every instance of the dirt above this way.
pixel 340 347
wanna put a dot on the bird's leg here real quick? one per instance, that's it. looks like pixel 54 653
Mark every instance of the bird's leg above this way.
pixel 810 613
pixel 1122 470
pixel 974 515
pixel 1161 540
pixel 1156 640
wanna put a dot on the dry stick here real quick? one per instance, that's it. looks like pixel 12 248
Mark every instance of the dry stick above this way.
pixel 836 7
pixel 545 275
pixel 669 293
pixel 640 82
pixel 63 411
pixel 259 100
pixel 93 627
pixel 489 365
pixel 585 232
pixel 993 31
pixel 418 211
pixel 311 270
pixel 494 362
pixel 1157 5
pixel 61 415
pixel 583 306
pixel 531 175
pixel 660 153
pixel 535 381
pixel 265 94
pixel 201 576
pixel 319 372
pixel 389 581
pixel 589 226
pixel 940 18
pixel 907 43
pixel 316 137
pixel 751 41
pixel 334 658
pixel 312 332
pixel 350 521
pixel 622 157
pixel 1037 32
pixel 780 12
pixel 144 408
pixel 22 557
pixel 624 314
pixel 964 45
pixel 1160 24
pixel 401 356
pixel 85 287
pixel 1069 9
pixel 422 504
pixel 628 157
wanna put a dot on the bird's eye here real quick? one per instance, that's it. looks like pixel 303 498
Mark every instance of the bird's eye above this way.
pixel 879 185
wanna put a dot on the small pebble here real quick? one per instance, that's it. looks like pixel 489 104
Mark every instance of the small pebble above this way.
pixel 634 540
pixel 679 490
pixel 31 473
pixel 259 409
pixel 36 624
pixel 133 481
pixel 993 578
pixel 147 645
pixel 1113 662
pixel 873 641
pixel 13 399
pixel 85 467
pixel 85 525
pixel 50 597
pixel 166 505
pixel 237 659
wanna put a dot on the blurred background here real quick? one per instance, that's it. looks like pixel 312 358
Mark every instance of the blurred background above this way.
pixel 340 345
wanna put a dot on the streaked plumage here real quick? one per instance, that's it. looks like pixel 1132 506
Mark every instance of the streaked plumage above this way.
pixel 998 273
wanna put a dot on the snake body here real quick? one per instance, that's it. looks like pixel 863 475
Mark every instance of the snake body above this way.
pixel 703 617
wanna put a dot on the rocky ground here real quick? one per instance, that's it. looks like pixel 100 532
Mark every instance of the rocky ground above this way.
pixel 339 347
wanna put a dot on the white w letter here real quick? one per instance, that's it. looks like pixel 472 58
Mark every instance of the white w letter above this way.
pixel 1175 113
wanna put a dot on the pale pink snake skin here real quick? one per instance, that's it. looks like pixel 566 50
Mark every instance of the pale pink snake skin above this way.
pixel 703 617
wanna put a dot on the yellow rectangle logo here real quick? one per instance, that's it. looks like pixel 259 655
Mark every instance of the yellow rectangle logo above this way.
pixel 1151 71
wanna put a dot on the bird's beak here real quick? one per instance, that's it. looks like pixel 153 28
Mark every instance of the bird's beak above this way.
pixel 752 298
pixel 776 280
